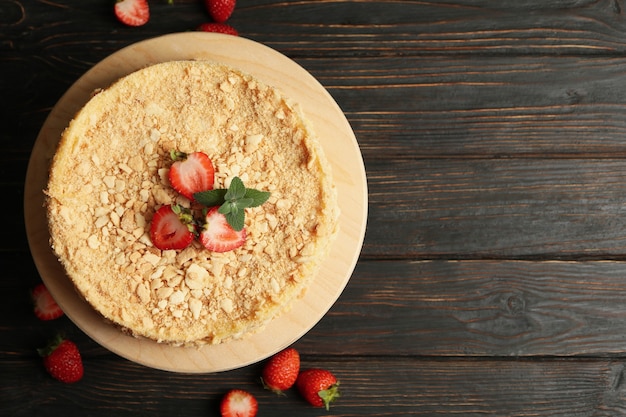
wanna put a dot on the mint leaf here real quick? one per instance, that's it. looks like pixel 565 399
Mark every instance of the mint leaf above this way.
pixel 236 190
pixel 233 201
pixel 225 208
pixel 257 197
pixel 236 219
pixel 244 203
pixel 211 198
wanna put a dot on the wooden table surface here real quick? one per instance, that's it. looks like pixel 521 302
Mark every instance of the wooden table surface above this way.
pixel 492 279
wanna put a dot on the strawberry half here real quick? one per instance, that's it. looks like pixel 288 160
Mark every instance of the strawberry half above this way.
pixel 44 305
pixel 217 235
pixel 62 360
pixel 218 28
pixel 132 12
pixel 172 227
pixel 220 10
pixel 191 173
pixel 238 403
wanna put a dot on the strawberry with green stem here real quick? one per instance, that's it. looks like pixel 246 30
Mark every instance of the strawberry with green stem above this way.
pixel 172 227
pixel 62 360
pixel 319 387
pixel 191 173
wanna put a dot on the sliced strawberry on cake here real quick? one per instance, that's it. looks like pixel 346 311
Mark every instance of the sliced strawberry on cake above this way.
pixel 172 227
pixel 191 173
pixel 219 236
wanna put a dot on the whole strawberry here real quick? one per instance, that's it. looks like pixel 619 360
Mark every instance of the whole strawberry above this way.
pixel 281 371
pixel 319 387
pixel 218 28
pixel 62 360
pixel 220 10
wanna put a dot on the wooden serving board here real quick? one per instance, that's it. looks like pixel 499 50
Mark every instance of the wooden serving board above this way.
pixel 338 142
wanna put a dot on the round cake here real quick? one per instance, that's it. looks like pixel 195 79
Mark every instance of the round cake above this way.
pixel 109 176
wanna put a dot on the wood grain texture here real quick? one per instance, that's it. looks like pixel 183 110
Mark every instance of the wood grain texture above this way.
pixel 492 277
pixel 570 388
pixel 478 309
pixel 469 107
pixel 496 208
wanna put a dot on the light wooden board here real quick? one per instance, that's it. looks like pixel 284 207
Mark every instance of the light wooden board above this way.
pixel 339 144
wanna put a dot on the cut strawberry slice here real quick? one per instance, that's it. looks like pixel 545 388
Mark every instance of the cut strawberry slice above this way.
pixel 191 173
pixel 172 227
pixel 132 12
pixel 217 235
pixel 238 403
pixel 44 305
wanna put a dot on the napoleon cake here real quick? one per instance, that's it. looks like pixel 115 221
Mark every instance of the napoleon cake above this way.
pixel 112 173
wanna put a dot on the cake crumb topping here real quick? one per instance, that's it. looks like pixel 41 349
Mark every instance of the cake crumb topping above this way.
pixel 109 177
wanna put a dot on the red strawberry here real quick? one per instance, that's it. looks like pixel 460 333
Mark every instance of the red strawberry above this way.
pixel 62 360
pixel 45 306
pixel 132 12
pixel 238 403
pixel 220 10
pixel 217 235
pixel 191 173
pixel 281 371
pixel 218 28
pixel 172 227
pixel 318 386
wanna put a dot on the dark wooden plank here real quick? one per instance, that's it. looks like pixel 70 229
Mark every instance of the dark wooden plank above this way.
pixel 342 28
pixel 478 308
pixel 469 107
pixel 372 387
pixel 496 208
pixel 429 28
